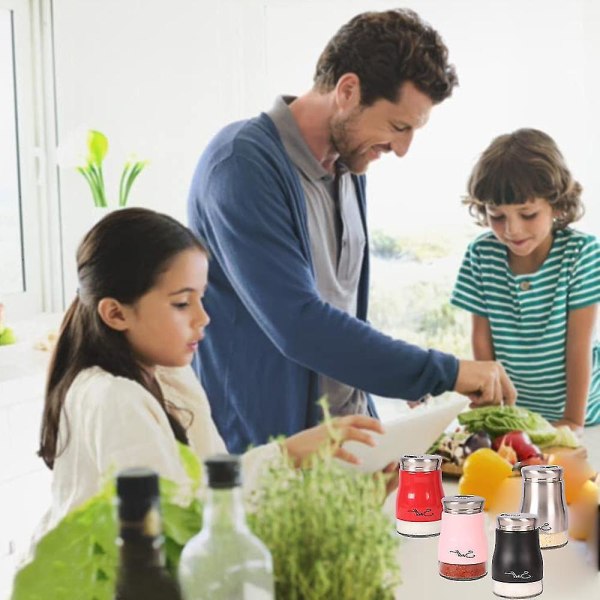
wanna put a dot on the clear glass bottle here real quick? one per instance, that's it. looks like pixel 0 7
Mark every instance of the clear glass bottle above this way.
pixel 142 572
pixel 225 561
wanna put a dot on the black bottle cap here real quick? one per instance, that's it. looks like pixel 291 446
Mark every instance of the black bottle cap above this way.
pixel 223 471
pixel 137 491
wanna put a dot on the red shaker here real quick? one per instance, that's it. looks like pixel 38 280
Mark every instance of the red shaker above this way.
pixel 419 497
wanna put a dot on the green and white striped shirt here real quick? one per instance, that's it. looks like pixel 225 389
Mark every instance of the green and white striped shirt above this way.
pixel 528 314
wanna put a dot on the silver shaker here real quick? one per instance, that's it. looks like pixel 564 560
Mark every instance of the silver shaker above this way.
pixel 544 496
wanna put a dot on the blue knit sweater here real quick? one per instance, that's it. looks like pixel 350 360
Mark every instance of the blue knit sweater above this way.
pixel 270 332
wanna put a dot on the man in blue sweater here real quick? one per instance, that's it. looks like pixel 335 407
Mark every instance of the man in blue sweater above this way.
pixel 280 201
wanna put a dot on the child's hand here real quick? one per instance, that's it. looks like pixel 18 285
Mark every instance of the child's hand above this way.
pixel 575 427
pixel 390 472
pixel 335 432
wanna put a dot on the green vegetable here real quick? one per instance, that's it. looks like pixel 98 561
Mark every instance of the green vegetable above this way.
pixel 566 437
pixel 324 526
pixel 78 558
pixel 498 420
pixel 327 532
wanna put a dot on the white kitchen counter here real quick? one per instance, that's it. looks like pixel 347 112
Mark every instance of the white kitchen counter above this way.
pixel 568 572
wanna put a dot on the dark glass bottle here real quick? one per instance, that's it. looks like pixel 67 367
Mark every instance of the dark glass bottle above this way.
pixel 142 573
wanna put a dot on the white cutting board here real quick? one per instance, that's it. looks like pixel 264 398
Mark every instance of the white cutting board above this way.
pixel 411 433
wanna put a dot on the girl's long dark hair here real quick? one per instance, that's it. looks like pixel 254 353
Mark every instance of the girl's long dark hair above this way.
pixel 121 257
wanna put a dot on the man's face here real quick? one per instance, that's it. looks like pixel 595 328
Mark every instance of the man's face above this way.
pixel 361 134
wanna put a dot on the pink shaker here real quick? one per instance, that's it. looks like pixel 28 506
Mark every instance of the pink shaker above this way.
pixel 463 547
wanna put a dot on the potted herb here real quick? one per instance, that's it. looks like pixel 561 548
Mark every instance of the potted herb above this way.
pixel 326 530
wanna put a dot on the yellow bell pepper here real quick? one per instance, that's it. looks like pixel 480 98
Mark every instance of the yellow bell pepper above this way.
pixel 483 473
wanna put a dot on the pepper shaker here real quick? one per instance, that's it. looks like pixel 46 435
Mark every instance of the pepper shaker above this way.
pixel 419 496
pixel 517 566
pixel 463 549
pixel 544 496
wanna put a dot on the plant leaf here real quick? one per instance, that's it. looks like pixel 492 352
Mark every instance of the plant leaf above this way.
pixel 97 147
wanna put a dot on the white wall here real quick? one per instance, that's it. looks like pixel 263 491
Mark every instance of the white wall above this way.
pixel 160 78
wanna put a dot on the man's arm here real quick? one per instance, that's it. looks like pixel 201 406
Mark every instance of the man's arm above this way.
pixel 252 227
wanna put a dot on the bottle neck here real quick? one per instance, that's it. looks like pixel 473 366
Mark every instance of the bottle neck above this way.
pixel 224 510
pixel 141 542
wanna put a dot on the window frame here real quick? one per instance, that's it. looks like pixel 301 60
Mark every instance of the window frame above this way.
pixel 36 127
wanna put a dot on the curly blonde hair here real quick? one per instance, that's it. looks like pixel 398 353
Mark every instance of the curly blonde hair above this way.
pixel 519 166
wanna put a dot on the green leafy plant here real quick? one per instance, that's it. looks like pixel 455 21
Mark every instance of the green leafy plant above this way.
pixel 78 558
pixel 326 530
pixel 85 151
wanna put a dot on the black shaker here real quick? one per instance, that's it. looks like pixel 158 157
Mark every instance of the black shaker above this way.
pixel 517 566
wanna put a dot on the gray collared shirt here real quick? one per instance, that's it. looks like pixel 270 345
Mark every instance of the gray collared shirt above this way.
pixel 337 238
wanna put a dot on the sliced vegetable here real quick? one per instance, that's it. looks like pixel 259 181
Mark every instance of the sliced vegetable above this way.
pixel 475 441
pixel 507 452
pixel 520 442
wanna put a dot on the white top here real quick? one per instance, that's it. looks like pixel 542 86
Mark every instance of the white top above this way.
pixel 115 423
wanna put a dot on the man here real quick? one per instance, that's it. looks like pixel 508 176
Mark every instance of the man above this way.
pixel 280 201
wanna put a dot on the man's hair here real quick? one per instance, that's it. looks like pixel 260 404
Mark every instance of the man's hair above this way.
pixel 385 50
pixel 519 166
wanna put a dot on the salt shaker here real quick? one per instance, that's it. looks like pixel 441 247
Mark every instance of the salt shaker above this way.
pixel 544 496
pixel 517 566
pixel 462 549
pixel 419 496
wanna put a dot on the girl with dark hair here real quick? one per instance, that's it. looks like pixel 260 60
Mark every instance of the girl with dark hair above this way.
pixel 532 283
pixel 120 389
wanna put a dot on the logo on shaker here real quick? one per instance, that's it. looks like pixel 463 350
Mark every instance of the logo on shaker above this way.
pixel 523 575
pixel 426 513
pixel 467 554
pixel 546 527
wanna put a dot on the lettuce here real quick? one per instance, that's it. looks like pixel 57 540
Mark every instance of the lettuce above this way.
pixel 498 420
pixel 78 559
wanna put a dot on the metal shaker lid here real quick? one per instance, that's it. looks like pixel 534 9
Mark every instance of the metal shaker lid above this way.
pixel 517 521
pixel 542 473
pixel 463 505
pixel 420 463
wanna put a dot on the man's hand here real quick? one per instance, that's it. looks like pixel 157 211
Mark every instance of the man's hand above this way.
pixel 484 382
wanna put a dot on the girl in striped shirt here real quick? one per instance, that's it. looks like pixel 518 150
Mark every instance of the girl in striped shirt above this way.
pixel 532 283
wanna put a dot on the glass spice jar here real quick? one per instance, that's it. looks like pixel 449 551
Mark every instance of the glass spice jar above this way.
pixel 517 565
pixel 463 548
pixel 419 496
pixel 544 496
